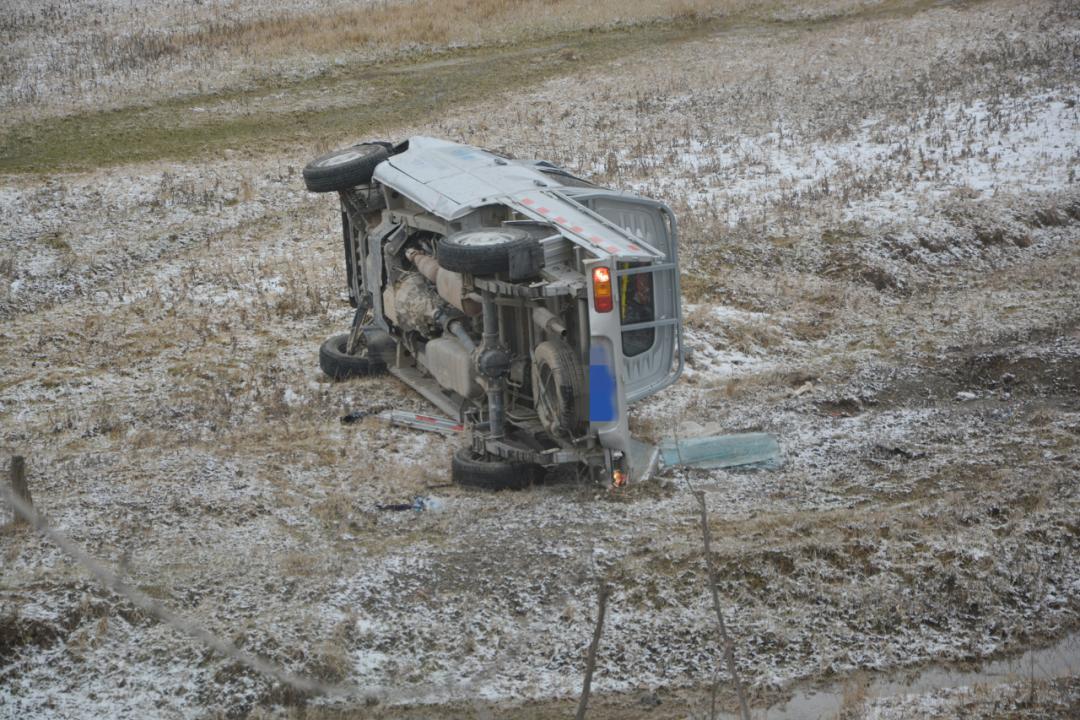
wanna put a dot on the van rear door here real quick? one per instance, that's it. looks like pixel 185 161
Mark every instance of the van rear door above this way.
pixel 648 294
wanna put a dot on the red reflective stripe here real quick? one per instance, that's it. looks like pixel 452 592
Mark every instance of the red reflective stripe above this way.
pixel 543 210
pixel 527 201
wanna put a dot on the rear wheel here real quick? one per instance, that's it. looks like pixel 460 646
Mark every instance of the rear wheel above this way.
pixel 484 251
pixel 345 168
pixel 339 365
pixel 492 474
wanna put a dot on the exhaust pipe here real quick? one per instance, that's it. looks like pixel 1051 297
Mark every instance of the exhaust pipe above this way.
pixel 548 322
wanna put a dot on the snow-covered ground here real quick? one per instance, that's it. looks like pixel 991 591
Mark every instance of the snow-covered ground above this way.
pixel 880 271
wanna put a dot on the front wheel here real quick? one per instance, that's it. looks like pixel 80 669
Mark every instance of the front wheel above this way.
pixel 492 474
pixel 345 168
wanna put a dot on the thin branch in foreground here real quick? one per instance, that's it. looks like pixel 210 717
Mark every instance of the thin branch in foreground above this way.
pixel 725 639
pixel 590 662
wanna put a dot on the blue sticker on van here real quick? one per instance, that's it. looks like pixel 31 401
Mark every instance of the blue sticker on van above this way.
pixel 464 153
pixel 602 405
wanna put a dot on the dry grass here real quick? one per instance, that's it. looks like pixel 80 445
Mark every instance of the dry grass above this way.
pixel 428 24
pixel 113 52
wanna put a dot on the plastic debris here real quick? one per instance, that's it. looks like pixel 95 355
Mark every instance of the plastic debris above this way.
pixel 720 451
pixel 354 416
pixel 419 503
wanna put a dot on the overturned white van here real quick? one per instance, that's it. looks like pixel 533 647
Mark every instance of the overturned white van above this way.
pixel 529 304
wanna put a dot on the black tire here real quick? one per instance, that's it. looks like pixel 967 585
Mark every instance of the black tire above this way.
pixel 483 251
pixel 339 366
pixel 559 389
pixel 345 168
pixel 496 474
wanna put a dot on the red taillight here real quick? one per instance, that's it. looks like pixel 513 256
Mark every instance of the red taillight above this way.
pixel 603 300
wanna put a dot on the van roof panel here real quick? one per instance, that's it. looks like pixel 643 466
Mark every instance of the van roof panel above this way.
pixel 452 180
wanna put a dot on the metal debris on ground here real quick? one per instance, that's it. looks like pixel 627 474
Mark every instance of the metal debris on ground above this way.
pixel 432 423
pixel 416 421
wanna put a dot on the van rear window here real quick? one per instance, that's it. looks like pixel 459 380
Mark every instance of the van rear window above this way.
pixel 637 304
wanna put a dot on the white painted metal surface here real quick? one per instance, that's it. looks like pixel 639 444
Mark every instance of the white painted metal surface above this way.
pixel 451 180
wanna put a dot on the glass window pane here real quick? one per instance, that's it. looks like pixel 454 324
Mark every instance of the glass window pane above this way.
pixel 636 305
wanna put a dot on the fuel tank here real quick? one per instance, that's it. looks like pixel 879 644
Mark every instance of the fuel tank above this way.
pixel 450 363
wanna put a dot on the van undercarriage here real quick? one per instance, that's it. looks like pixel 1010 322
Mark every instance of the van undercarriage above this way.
pixel 531 306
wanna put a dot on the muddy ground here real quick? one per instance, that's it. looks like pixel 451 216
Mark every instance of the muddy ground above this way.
pixel 880 222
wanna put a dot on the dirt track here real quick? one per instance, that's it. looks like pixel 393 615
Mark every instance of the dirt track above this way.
pixel 880 223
